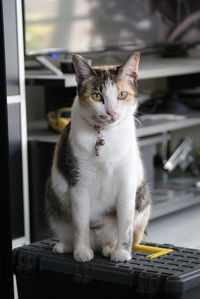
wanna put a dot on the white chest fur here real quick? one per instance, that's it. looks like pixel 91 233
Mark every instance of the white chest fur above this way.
pixel 118 160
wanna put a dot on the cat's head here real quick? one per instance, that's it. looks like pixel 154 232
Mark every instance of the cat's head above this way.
pixel 106 94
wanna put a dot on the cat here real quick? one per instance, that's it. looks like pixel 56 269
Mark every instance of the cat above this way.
pixel 97 197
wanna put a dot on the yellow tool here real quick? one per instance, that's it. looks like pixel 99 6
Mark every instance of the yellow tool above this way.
pixel 157 251
pixel 59 119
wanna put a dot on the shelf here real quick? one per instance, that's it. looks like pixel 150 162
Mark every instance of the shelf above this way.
pixel 158 123
pixel 67 80
pixel 149 68
pixel 165 67
pixel 166 201
pixel 38 130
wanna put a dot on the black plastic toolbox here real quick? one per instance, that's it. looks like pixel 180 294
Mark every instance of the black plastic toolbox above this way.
pixel 42 274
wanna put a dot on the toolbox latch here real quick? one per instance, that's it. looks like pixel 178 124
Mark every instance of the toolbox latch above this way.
pixel 148 284
pixel 27 264
pixel 83 272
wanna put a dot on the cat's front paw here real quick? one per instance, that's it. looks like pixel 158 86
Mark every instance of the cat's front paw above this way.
pixel 83 254
pixel 62 248
pixel 120 255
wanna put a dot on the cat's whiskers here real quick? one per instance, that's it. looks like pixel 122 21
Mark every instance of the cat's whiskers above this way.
pixel 137 120
pixel 102 116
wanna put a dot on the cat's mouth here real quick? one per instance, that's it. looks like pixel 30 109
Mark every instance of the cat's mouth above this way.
pixel 104 120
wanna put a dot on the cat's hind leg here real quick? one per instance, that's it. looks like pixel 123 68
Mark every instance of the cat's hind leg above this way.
pixel 64 232
pixel 140 225
pixel 143 208
pixel 58 215
pixel 109 235
pixel 63 247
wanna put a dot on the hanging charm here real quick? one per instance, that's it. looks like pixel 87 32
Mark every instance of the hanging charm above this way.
pixel 100 141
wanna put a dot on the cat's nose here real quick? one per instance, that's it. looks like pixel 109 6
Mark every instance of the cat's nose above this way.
pixel 111 112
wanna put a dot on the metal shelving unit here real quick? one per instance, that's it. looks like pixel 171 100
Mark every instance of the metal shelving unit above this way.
pixel 150 68
pixel 150 125
pixel 167 201
pixel 156 124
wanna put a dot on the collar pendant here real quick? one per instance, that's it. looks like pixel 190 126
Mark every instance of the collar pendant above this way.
pixel 99 141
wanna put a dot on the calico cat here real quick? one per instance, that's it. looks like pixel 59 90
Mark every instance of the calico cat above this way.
pixel 97 197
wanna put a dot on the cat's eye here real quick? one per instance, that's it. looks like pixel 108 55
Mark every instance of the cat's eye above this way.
pixel 122 95
pixel 96 96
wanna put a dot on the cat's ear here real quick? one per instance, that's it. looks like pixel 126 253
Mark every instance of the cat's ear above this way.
pixel 129 69
pixel 82 69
